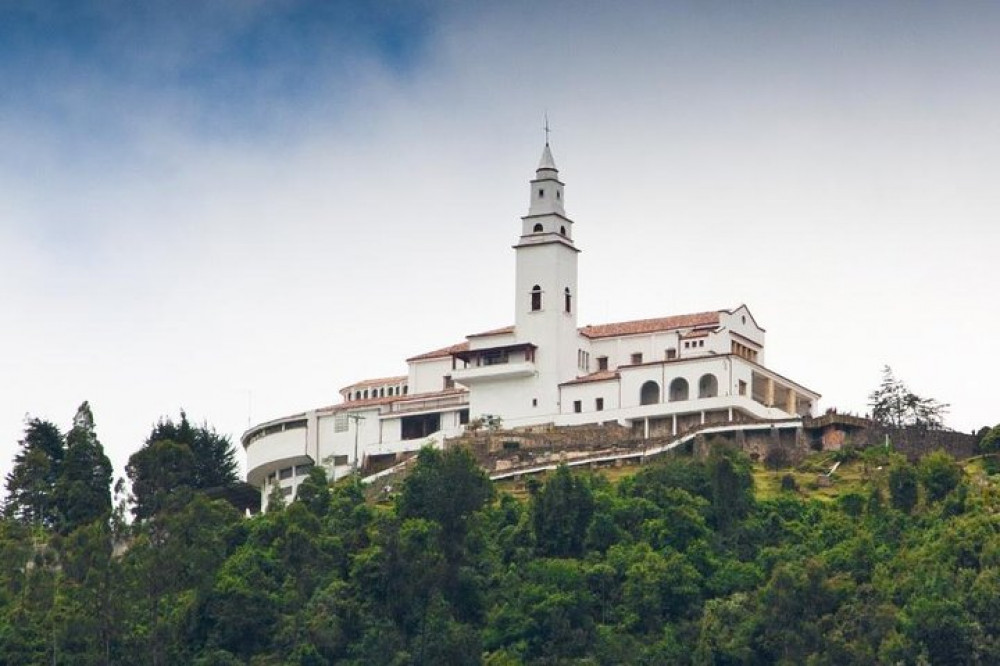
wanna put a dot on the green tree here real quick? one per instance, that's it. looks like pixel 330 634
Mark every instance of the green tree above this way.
pixel 989 442
pixel 83 489
pixel 731 482
pixel 159 471
pixel 894 404
pixel 31 483
pixel 215 464
pixel 561 512
pixel 903 487
pixel 314 492
pixel 447 487
pixel 178 458
pixel 939 475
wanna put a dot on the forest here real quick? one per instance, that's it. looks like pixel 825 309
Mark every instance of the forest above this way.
pixel 682 561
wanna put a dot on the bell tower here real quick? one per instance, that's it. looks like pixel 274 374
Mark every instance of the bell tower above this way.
pixel 546 282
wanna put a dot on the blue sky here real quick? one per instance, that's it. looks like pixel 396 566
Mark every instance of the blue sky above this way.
pixel 239 207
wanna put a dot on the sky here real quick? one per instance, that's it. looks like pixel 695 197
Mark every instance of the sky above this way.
pixel 237 208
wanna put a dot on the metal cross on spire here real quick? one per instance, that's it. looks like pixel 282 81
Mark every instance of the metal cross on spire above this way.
pixel 546 128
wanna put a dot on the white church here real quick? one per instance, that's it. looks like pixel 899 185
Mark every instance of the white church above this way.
pixel 664 375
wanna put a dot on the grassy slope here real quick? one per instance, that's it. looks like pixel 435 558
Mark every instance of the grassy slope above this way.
pixel 851 476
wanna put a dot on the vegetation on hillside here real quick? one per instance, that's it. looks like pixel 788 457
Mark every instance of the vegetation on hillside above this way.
pixel 681 563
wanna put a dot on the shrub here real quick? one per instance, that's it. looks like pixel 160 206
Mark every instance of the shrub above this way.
pixel 776 457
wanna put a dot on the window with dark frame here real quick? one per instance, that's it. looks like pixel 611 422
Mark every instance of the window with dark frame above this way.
pixel 536 298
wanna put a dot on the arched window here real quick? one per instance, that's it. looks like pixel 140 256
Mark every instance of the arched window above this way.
pixel 708 386
pixel 649 394
pixel 357 395
pixel 569 300
pixel 536 298
pixel 366 394
pixel 537 228
pixel 678 390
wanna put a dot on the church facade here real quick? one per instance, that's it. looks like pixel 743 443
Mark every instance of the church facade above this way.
pixel 663 375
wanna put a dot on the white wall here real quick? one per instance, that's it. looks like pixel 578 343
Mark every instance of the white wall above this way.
pixel 427 376
pixel 588 393
pixel 267 452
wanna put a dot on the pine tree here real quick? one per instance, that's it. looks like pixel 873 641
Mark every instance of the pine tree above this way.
pixel 83 489
pixel 178 457
pixel 894 404
pixel 214 456
pixel 31 483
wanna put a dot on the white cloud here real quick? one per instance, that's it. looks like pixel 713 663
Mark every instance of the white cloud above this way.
pixel 837 182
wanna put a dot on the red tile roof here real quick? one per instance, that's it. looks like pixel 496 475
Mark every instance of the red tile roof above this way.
pixel 637 327
pixel 444 352
pixel 599 376
pixel 377 382
pixel 641 326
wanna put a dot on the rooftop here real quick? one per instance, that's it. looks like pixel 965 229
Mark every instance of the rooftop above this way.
pixel 640 326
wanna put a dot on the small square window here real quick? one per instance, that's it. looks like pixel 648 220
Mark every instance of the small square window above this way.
pixel 637 358
pixel 577 406
pixel 602 362
pixel 340 423
pixel 671 353
pixel 599 404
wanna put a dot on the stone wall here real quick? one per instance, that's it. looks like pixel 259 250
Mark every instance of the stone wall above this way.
pixel 774 447
pixel 915 443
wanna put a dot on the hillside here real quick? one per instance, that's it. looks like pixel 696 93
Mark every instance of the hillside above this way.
pixel 684 560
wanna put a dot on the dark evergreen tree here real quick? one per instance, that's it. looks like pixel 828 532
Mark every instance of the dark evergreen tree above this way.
pixel 314 492
pixel 160 472
pixel 83 489
pixel 446 487
pixel 31 484
pixel 215 464
pixel 903 489
pixel 731 482
pixel 561 512
pixel 176 459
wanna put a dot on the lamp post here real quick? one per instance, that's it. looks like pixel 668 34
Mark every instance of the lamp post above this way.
pixel 357 418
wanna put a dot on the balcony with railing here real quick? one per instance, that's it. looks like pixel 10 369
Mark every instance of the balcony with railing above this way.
pixel 495 363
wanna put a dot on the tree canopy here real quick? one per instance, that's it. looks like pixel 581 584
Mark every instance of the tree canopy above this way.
pixel 177 458
pixel 60 482
pixel 894 404
pixel 680 561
